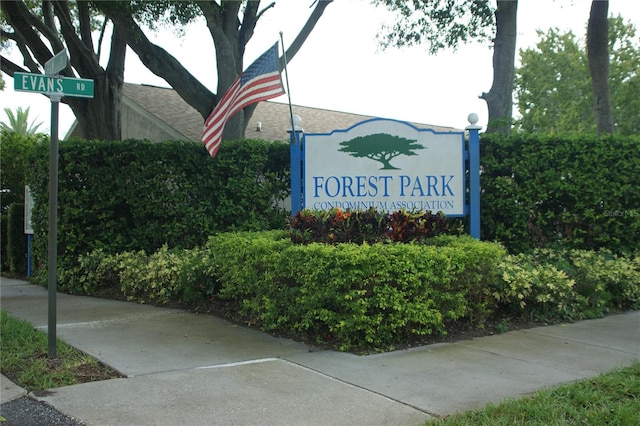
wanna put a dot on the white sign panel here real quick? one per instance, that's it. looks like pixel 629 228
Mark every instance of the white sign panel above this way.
pixel 28 209
pixel 385 164
pixel 57 63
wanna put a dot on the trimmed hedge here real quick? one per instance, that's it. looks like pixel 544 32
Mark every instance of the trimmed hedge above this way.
pixel 15 149
pixel 538 191
pixel 4 259
pixel 579 192
pixel 16 239
pixel 137 195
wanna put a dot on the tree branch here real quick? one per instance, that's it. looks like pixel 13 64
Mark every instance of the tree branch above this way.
pixel 84 17
pixel 305 31
pixel 163 64
pixel 115 67
pixel 249 21
pixel 23 22
pixel 8 67
pixel 47 15
pixel 82 57
pixel 103 28
pixel 47 29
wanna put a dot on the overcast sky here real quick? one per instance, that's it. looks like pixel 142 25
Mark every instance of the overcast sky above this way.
pixel 341 67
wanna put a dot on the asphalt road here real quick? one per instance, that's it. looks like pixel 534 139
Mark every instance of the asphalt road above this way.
pixel 27 412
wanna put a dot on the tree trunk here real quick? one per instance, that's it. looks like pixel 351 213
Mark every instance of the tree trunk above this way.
pixel 99 117
pixel 500 98
pixel 598 56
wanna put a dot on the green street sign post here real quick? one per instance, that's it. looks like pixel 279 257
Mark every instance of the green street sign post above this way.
pixel 55 87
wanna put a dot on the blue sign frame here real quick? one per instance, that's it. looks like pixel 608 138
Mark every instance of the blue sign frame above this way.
pixel 470 158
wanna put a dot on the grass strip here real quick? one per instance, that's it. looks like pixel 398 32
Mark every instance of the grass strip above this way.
pixel 24 359
pixel 609 399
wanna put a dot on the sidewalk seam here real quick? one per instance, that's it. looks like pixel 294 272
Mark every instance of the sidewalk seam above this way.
pixel 566 339
pixel 422 410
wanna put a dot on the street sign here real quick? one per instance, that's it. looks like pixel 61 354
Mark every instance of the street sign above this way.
pixel 57 63
pixel 53 85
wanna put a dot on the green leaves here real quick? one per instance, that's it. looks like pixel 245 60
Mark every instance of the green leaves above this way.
pixel 440 24
pixel 567 284
pixel 541 190
pixel 368 297
pixel 19 123
pixel 368 226
pixel 553 85
pixel 136 195
pixel 351 296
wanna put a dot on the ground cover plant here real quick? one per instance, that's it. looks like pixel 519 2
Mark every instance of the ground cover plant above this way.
pixel 369 296
pixel 24 359
pixel 608 399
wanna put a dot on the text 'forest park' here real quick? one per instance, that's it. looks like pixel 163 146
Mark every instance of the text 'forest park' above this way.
pixel 350 192
pixel 385 186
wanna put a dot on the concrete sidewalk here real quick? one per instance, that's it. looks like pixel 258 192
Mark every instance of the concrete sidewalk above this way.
pixel 200 370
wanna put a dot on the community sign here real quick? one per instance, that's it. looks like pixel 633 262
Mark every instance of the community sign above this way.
pixel 385 164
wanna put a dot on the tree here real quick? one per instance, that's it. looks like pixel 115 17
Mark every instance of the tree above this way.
pixel 598 55
pixel 380 147
pixel 19 122
pixel 624 76
pixel 446 24
pixel 40 30
pixel 553 86
pixel 231 24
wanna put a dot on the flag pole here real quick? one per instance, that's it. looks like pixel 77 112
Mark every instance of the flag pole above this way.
pixel 295 148
pixel 286 73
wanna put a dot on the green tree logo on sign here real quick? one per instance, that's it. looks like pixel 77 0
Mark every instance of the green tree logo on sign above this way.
pixel 380 147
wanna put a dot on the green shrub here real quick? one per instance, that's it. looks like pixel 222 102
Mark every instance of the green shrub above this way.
pixel 133 195
pixel 16 239
pixel 576 191
pixel 4 259
pixel 369 226
pixel 369 296
pixel 181 276
pixel 605 280
pixel 567 284
pixel 539 292
pixel 15 149
pixel 355 296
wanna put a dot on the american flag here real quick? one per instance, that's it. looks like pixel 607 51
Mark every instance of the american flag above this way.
pixel 259 82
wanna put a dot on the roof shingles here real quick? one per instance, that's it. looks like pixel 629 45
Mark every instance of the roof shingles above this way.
pixel 166 105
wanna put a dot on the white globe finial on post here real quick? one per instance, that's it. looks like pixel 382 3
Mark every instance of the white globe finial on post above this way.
pixel 473 120
pixel 296 121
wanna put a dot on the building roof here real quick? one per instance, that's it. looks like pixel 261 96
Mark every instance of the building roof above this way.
pixel 167 109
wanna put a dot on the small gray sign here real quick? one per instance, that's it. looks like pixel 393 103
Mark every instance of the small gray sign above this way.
pixel 56 64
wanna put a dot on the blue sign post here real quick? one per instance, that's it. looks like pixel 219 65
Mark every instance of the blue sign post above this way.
pixel 474 176
pixel 296 138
